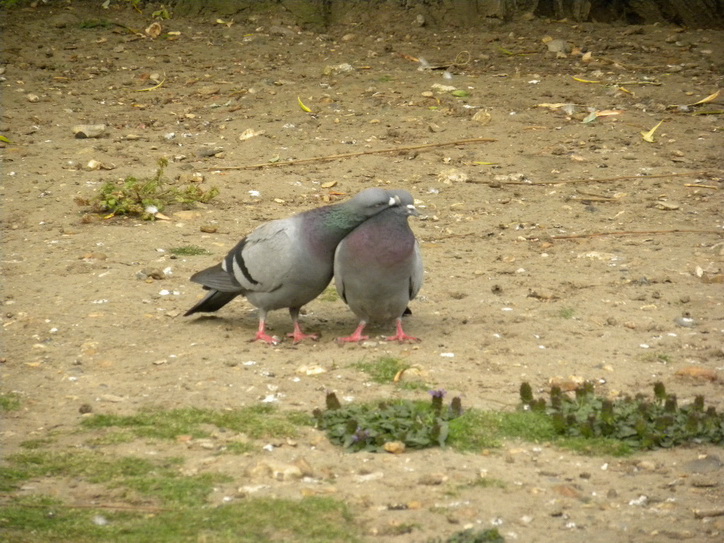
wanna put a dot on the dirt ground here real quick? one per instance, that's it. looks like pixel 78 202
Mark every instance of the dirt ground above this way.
pixel 562 250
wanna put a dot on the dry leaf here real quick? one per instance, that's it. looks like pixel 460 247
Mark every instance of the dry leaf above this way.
pixel 708 99
pixel 649 136
pixel 301 105
pixel 698 372
pixel 250 133
pixel 584 80
pixel 328 184
pixel 154 30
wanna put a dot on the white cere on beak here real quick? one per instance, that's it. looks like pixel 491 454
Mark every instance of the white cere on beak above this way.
pixel 394 201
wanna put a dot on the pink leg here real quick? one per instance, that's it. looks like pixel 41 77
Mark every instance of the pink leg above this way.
pixel 401 335
pixel 357 336
pixel 298 335
pixel 261 334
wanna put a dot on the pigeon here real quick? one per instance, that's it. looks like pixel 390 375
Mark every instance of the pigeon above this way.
pixel 378 268
pixel 287 262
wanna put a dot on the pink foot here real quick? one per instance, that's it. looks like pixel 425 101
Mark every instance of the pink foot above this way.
pixel 356 336
pixel 401 336
pixel 261 334
pixel 298 335
pixel 266 338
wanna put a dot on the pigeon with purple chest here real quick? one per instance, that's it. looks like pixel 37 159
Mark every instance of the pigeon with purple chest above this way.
pixel 287 263
pixel 378 268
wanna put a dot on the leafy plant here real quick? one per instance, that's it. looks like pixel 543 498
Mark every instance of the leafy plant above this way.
pixel 146 197
pixel 367 427
pixel 637 422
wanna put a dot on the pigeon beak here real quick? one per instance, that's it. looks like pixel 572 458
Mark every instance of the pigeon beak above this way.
pixel 412 210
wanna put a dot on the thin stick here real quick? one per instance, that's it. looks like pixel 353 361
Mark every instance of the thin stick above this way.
pixel 360 153
pixel 602 180
pixel 635 233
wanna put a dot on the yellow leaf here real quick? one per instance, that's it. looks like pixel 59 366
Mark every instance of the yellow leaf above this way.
pixel 649 136
pixel 328 184
pixel 479 163
pixel 584 80
pixel 708 99
pixel 554 106
pixel 301 105
pixel 154 87
pixel 6 140
pixel 609 112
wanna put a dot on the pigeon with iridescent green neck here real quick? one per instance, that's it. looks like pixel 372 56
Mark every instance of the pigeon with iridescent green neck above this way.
pixel 287 263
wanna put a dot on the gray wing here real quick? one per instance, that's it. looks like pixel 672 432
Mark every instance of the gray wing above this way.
pixel 339 268
pixel 263 260
pixel 418 272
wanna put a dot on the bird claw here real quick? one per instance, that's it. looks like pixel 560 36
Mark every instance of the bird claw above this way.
pixel 266 338
pixel 354 338
pixel 404 338
pixel 298 336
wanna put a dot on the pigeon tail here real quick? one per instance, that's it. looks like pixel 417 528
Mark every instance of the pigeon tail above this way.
pixel 213 301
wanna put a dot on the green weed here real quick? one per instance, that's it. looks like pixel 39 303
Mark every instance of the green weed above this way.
pixel 146 197
pixel 9 401
pixel 490 535
pixel 566 312
pixel 259 421
pixel 188 250
pixel 260 520
pixel 382 370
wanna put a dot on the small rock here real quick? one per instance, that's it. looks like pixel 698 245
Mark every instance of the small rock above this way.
pixel 432 479
pixel 394 447
pixel 558 46
pixel 32 98
pixel 209 90
pixel 567 491
pixel 150 273
pixel 195 177
pixel 707 464
pixel 82 131
pixel 276 470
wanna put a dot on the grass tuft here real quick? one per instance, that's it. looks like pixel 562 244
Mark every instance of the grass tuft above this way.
pixel 9 401
pixel 258 421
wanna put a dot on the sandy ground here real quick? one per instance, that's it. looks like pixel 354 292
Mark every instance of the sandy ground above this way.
pixel 562 250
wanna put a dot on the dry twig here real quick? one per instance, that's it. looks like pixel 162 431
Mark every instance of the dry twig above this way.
pixel 604 179
pixel 360 153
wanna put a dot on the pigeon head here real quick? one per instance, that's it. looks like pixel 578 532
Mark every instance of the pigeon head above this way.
pixel 371 201
pixel 405 201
